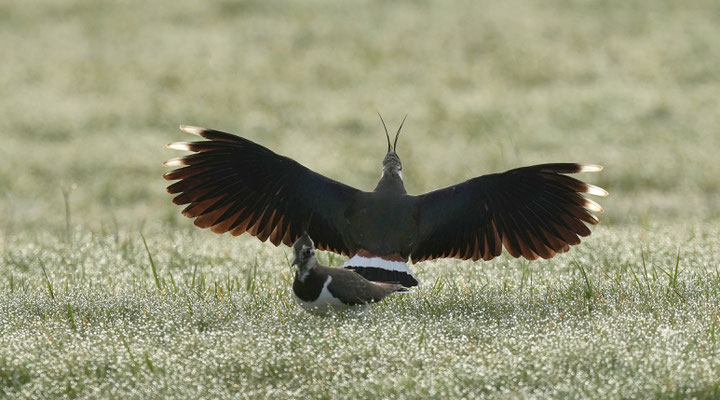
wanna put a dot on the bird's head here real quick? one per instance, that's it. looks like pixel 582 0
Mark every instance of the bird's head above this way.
pixel 392 166
pixel 304 252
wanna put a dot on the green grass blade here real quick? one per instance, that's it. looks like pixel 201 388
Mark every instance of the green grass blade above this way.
pixel 152 263
pixel 47 280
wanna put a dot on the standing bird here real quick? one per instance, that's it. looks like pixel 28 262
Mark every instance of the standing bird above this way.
pixel 231 184
pixel 320 289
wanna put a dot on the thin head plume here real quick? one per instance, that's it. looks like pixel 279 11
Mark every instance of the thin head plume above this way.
pixel 397 135
pixel 386 131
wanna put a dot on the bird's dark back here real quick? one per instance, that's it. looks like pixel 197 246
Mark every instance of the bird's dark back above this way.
pixel 353 289
pixel 383 223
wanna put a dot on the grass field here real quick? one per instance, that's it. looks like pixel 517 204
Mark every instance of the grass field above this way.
pixel 92 91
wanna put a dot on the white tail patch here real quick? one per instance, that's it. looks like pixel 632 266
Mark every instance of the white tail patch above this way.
pixel 377 262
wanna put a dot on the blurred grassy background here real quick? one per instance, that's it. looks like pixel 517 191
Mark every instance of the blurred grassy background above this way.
pixel 93 90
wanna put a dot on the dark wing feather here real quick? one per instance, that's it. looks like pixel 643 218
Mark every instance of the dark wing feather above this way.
pixel 532 211
pixel 231 184
pixel 352 289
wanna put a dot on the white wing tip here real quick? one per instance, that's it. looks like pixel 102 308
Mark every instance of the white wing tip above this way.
pixel 596 191
pixel 174 162
pixel 591 168
pixel 593 206
pixel 183 146
pixel 194 130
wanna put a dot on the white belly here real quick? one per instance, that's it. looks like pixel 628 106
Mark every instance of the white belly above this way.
pixel 324 303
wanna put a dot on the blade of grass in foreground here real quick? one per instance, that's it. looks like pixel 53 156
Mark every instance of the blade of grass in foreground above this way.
pixel 152 263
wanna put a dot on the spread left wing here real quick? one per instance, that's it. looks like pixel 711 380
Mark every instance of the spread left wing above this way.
pixel 234 185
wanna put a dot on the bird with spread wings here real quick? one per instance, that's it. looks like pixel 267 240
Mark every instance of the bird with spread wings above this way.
pixel 231 184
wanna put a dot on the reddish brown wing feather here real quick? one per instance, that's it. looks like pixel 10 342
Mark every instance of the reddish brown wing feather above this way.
pixel 534 212
pixel 231 184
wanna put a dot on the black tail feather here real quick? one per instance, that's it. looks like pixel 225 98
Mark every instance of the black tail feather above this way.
pixel 384 275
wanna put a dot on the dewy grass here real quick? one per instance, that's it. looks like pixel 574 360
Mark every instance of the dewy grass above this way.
pixel 92 91
pixel 231 328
